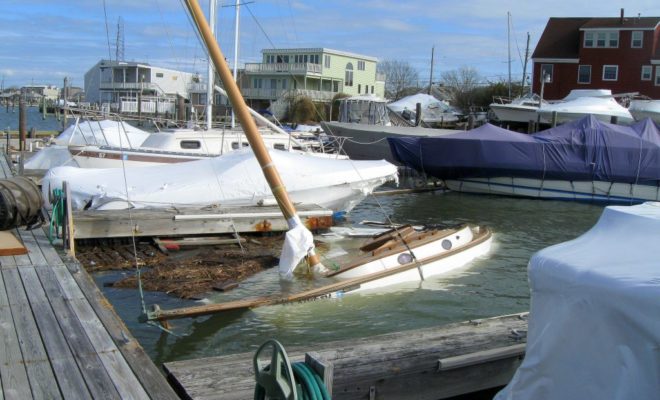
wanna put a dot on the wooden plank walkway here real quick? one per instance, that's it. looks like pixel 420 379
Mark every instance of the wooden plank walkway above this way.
pixel 59 337
pixel 429 363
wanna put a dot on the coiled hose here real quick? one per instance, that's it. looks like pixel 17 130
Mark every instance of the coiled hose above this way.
pixel 57 215
pixel 311 387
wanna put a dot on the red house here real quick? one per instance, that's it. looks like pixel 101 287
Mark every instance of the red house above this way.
pixel 621 54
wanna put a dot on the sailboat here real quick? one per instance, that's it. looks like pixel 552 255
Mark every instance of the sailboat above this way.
pixel 388 258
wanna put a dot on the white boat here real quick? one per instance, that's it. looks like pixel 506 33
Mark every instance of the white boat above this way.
pixel 645 108
pixel 231 179
pixel 435 113
pixel 599 103
pixel 521 109
pixel 425 254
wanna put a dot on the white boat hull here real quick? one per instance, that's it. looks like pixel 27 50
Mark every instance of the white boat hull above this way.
pixel 556 189
pixel 513 113
pixel 641 109
pixel 462 251
pixel 563 117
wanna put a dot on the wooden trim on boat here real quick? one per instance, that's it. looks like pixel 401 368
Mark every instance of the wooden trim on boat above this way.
pixel 413 240
pixel 480 237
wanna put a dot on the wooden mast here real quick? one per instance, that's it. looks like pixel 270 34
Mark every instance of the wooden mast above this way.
pixel 247 123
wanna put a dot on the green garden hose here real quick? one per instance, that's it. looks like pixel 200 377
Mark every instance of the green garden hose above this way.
pixel 57 216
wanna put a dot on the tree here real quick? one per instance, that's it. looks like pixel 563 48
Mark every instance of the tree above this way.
pixel 400 77
pixel 462 84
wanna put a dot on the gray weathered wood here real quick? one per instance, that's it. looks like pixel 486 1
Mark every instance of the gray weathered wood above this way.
pixel 64 365
pixel 480 357
pixel 385 365
pixel 42 380
pixel 15 384
pixel 322 367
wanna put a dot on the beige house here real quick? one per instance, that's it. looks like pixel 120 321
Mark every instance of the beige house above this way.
pixel 318 73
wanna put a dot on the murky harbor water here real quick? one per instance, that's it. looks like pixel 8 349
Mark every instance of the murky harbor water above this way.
pixel 491 286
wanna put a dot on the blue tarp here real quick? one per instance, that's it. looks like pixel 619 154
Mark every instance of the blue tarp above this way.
pixel 582 150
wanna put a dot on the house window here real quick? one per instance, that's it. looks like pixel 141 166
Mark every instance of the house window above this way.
pixel 647 72
pixel 588 39
pixel 601 39
pixel 159 74
pixel 257 83
pixel 584 74
pixel 360 65
pixel 348 78
pixel 326 61
pixel 359 88
pixel 637 40
pixel 315 59
pixel 305 58
pixel 546 70
pixel 610 72
pixel 372 89
pixel 657 76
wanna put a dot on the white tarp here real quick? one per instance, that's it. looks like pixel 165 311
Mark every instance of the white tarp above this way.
pixel 49 157
pixel 231 179
pixel 594 327
pixel 105 132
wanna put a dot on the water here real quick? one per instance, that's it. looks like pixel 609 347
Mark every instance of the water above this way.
pixel 9 119
pixel 491 286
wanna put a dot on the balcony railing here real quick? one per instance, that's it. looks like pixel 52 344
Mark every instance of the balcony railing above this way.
pixel 127 85
pixel 274 94
pixel 296 68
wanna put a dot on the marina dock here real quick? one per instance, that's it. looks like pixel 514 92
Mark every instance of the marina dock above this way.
pixel 438 362
pixel 59 336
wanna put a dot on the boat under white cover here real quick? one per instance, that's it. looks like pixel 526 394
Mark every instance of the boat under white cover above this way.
pixel 603 108
pixel 645 108
pixel 231 179
pixel 593 322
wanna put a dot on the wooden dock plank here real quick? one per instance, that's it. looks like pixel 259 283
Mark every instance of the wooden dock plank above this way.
pixel 15 383
pixel 40 374
pixel 97 378
pixel 7 262
pixel 391 363
pixel 67 372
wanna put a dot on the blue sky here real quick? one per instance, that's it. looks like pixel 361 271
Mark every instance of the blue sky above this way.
pixel 43 41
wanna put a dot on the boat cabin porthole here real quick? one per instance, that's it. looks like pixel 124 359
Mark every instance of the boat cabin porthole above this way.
pixel 446 244
pixel 404 258
pixel 190 144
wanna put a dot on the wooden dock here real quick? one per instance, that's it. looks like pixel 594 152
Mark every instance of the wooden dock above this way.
pixel 192 221
pixel 432 363
pixel 59 336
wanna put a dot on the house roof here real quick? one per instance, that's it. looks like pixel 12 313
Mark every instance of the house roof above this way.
pixel 561 37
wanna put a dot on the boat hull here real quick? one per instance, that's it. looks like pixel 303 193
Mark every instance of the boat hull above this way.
pixel 598 191
pixel 641 109
pixel 434 258
pixel 369 142
pixel 512 113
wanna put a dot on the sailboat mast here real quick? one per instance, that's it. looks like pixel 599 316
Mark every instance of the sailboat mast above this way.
pixel 237 19
pixel 431 77
pixel 210 72
pixel 508 36
pixel 524 77
pixel 249 126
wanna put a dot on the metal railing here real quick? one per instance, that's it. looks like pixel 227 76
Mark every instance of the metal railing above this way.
pixel 300 68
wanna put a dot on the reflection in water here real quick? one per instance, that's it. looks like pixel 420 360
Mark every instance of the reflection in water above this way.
pixel 493 285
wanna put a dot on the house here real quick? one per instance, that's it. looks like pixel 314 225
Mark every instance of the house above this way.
pixel 119 83
pixel 318 73
pixel 621 54
pixel 34 93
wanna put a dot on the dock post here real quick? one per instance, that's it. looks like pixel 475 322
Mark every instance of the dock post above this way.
pixel 614 120
pixel 418 114
pixel 22 124
pixel 470 122
pixel 68 236
pixel 65 93
pixel 181 109
pixel 554 119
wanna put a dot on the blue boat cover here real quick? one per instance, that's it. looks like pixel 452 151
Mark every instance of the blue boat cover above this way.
pixel 582 150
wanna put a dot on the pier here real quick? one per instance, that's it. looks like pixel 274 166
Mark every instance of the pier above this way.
pixel 439 362
pixel 59 336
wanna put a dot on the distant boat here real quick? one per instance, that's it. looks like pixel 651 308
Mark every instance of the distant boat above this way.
pixel 522 109
pixel 580 102
pixel 435 113
pixel 645 108
pixel 585 160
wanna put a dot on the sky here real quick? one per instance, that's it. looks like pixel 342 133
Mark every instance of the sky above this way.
pixel 43 41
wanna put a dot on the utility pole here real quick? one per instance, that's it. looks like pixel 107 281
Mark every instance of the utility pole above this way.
pixel 431 78
pixel 524 77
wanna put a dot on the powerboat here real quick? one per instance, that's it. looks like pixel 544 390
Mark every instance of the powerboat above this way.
pixel 521 109
pixel 580 102
pixel 645 108
pixel 586 160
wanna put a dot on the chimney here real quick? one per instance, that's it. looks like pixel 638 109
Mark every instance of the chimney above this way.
pixel 621 20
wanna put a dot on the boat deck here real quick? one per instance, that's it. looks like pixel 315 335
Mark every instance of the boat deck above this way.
pixel 59 336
